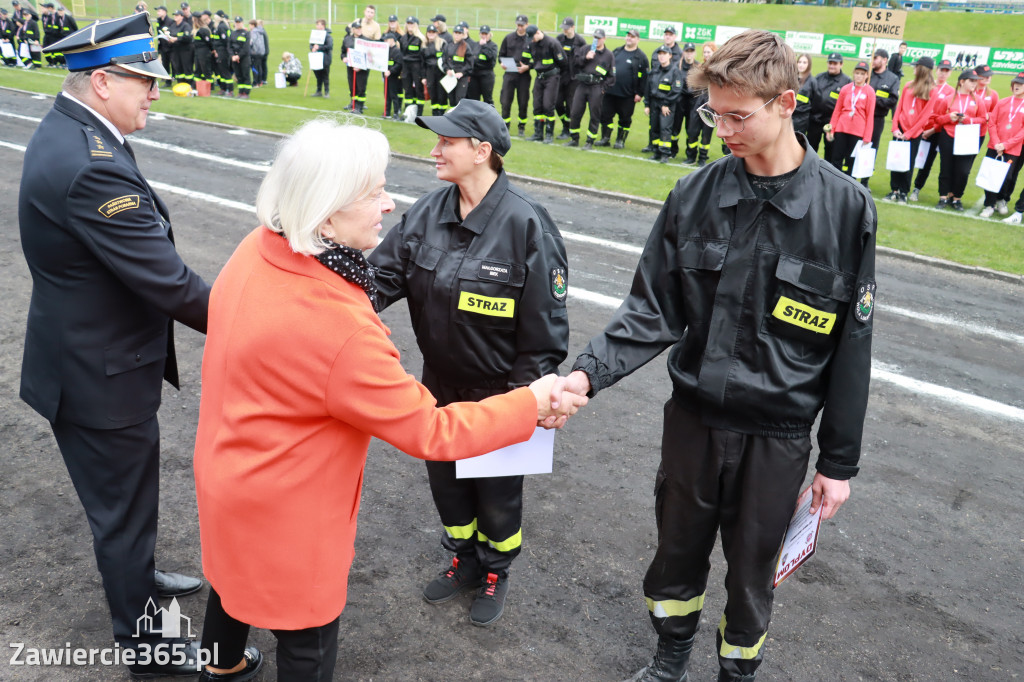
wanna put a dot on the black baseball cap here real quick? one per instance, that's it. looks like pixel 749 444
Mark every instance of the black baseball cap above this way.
pixel 567 22
pixel 670 29
pixel 178 13
pixel 1019 78
pixel 3 10
pixel 206 13
pixel 663 48
pixel 459 28
pixel 522 20
pixel 239 20
pixel 392 35
pixel 393 17
pixel 140 8
pixel 925 61
pixel 881 53
pixel 835 57
pixel 862 66
pixel 599 33
pixel 184 5
pixel 431 28
pixel 688 47
pixel 946 64
pixel 983 71
pixel 48 4
pixel 531 30
pixel 412 20
pixel 220 13
pixel 356 24
pixel 967 75
pixel 633 32
pixel 471 118
pixel 485 29
pixel 439 17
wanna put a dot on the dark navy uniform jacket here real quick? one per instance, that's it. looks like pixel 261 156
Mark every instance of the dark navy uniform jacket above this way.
pixel 486 294
pixel 106 279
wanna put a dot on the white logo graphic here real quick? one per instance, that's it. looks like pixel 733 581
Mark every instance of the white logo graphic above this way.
pixel 170 622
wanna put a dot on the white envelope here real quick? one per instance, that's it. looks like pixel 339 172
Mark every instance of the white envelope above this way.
pixel 534 456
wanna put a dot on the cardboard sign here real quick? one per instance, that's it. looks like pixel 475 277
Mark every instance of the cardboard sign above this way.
pixel 878 23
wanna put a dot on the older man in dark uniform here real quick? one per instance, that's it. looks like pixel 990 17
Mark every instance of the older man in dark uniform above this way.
pixel 106 285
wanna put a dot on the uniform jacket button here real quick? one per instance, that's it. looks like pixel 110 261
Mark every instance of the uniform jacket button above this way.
pixel 138 358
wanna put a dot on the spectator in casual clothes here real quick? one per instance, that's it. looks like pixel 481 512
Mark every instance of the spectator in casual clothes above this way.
pixel 896 60
pixel 259 48
pixel 323 76
pixel 291 67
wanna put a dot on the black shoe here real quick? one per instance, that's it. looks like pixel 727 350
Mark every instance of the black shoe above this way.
pixel 490 602
pixel 564 135
pixel 253 662
pixel 317 94
pixel 176 584
pixel 702 163
pixel 689 161
pixel 459 576
pixel 943 203
pixel 589 144
pixel 538 134
pixel 175 668
pixel 522 130
pixel 604 142
pixel 647 150
pixel 724 676
pixel 660 158
pixel 669 663
pixel 956 205
pixel 572 143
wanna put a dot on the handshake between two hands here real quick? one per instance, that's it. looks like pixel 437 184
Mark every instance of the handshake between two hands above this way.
pixel 558 398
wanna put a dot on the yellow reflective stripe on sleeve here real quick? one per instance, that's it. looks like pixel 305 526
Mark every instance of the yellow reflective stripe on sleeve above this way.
pixel 667 608
pixel 527 55
pixel 461 532
pixel 803 98
pixel 487 305
pixel 742 652
pixel 881 93
pixel 804 316
pixel 508 545
pixel 834 95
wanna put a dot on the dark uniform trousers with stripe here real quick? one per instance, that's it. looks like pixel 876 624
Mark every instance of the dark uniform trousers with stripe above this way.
pixel 515 84
pixel 482 517
pixel 745 485
pixel 587 94
pixel 545 95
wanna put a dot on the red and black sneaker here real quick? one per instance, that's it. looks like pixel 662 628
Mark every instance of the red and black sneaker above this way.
pixel 490 601
pixel 461 575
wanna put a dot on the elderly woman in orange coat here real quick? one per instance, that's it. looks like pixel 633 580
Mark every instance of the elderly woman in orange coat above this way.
pixel 298 374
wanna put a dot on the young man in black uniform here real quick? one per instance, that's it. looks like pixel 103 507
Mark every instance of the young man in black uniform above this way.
pixel 686 116
pixel 51 33
pixel 570 41
pixel 107 283
pixel 830 82
pixel 668 40
pixel 241 62
pixel 66 25
pixel 886 85
pixel 459 58
pixel 162 28
pixel 393 78
pixel 29 34
pixel 357 78
pixel 665 89
pixel 595 71
pixel 413 46
pixel 763 340
pixel 516 83
pixel 481 84
pixel 182 57
pixel 631 71
pixel 7 36
pixel 479 238
pixel 547 59
pixel 221 58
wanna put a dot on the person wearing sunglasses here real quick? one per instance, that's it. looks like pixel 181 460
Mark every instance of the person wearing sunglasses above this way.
pixel 106 284
pixel 759 273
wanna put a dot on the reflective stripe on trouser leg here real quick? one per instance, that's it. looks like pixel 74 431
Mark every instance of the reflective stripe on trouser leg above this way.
pixel 667 608
pixel 727 650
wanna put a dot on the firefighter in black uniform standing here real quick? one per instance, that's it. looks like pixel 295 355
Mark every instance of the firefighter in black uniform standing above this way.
pixel 664 92
pixel 595 71
pixel 357 78
pixel 202 40
pixel 688 104
pixel 829 83
pixel 221 58
pixel 459 58
pixel 181 49
pixel 547 59
pixel 51 33
pixel 7 35
pixel 413 49
pixel 433 63
pixel 241 61
pixel 569 40
pixel 30 35
pixel 764 340
pixel 485 273
pixel 66 25
pixel 516 83
pixel 393 78
pixel 631 71
pixel 481 85
pixel 669 40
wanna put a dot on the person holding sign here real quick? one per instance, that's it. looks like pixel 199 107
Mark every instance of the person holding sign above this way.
pixel 1006 133
pixel 485 273
pixel 326 48
pixel 911 110
pixel 298 375
pixel 763 340
pixel 357 76
pixel 852 120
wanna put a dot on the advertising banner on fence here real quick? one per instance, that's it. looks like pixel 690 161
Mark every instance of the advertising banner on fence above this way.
pixel 607 23
pixel 725 32
pixel 1004 59
pixel 642 27
pixel 697 33
pixel 869 45
pixel 965 56
pixel 844 45
pixel 805 42
pixel 917 50
pixel 658 28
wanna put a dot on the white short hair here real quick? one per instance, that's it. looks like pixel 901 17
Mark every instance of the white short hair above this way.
pixel 323 167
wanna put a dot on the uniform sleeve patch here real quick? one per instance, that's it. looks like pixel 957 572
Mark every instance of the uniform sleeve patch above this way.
pixel 559 285
pixel 865 301
pixel 115 206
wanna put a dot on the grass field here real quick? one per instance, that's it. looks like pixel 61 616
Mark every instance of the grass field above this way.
pixel 962 238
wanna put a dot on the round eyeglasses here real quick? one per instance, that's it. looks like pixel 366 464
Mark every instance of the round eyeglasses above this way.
pixel 733 122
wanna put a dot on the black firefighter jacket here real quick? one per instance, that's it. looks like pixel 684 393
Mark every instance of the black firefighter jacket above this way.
pixel 767 306
pixel 486 294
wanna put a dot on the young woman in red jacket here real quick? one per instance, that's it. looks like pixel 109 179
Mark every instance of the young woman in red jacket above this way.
pixel 853 118
pixel 911 109
pixel 941 91
pixel 963 108
pixel 987 95
pixel 1005 135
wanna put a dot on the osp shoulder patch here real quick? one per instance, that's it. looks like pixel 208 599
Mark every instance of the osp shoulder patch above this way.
pixel 559 285
pixel 115 206
pixel 865 305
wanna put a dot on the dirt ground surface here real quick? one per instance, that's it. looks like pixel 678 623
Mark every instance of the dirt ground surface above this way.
pixel 918 577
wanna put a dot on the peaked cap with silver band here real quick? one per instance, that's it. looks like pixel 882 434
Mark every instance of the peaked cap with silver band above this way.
pixel 126 42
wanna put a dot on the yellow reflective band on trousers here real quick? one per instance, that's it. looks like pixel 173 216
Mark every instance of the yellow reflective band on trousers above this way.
pixel 742 652
pixel 461 532
pixel 508 545
pixel 667 608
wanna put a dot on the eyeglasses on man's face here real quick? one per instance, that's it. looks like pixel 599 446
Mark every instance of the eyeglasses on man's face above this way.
pixel 138 76
pixel 733 122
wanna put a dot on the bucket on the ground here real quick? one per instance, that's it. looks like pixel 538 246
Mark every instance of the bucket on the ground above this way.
pixel 203 88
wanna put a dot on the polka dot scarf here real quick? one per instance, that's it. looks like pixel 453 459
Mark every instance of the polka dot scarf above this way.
pixel 351 264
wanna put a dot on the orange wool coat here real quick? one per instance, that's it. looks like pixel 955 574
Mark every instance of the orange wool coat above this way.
pixel 298 374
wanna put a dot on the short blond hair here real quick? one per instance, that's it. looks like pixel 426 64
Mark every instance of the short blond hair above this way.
pixel 757 63
pixel 322 168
